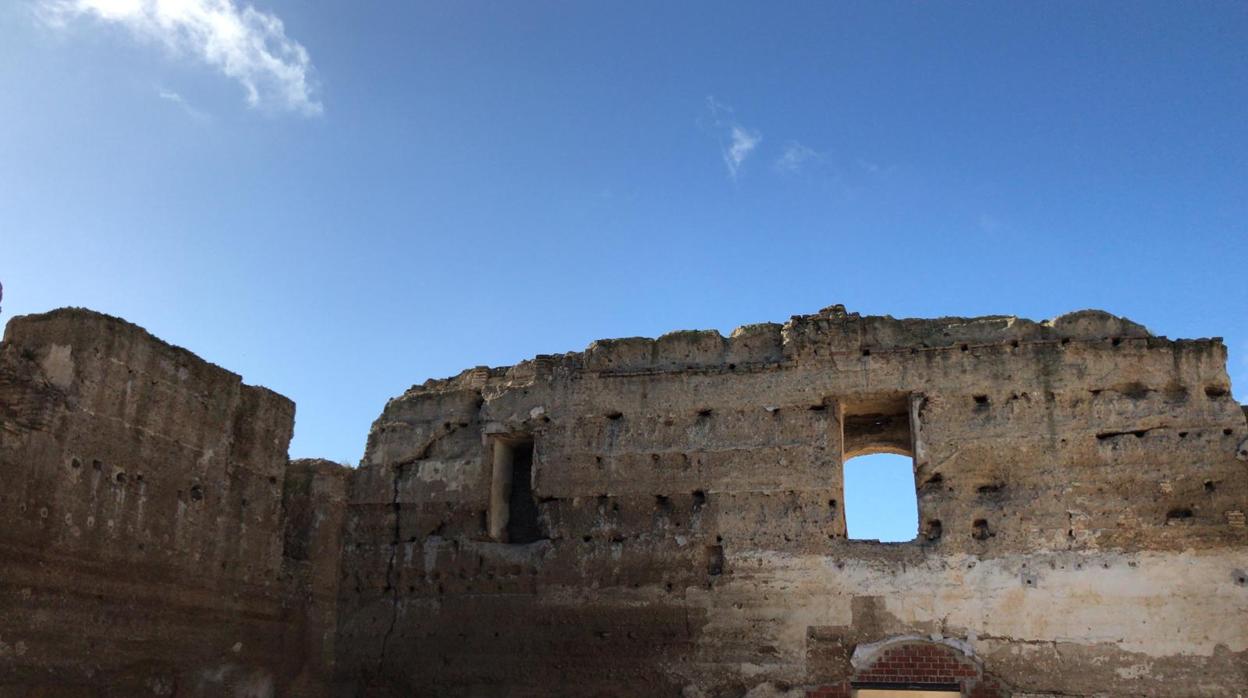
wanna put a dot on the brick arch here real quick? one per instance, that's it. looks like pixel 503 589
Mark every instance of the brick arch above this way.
pixel 917 663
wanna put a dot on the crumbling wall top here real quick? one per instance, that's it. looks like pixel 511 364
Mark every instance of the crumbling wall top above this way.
pixel 833 330
pixel 85 327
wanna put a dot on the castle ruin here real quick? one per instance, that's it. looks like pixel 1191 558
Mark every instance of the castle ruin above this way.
pixel 648 517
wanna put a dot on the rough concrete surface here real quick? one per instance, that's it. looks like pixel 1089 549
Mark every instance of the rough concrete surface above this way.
pixel 644 518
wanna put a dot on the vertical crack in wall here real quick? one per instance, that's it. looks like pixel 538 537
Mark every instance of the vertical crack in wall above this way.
pixel 392 582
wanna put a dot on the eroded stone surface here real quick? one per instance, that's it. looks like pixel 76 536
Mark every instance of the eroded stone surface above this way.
pixel 141 522
pixel 1075 479
pixel 1081 498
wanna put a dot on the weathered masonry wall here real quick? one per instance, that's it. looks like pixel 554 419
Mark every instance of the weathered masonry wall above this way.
pixel 143 524
pixel 1081 504
pixel 645 518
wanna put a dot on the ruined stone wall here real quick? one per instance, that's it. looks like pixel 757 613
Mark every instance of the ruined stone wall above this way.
pixel 142 523
pixel 1081 510
pixel 645 518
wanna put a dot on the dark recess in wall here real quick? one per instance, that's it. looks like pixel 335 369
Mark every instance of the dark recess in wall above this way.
pixel 524 524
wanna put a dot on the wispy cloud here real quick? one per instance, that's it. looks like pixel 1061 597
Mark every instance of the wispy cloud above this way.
pixel 245 44
pixel 744 141
pixel 736 141
pixel 180 101
pixel 796 156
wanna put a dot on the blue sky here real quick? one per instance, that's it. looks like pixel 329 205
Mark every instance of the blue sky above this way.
pixel 370 194
pixel 880 498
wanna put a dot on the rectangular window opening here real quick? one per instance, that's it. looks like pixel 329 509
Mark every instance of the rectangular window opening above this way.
pixel 878 473
pixel 514 516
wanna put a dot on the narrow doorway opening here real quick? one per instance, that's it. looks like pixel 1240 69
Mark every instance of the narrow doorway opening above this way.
pixel 514 516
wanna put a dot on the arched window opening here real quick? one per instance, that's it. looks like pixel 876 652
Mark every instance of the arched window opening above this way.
pixel 880 498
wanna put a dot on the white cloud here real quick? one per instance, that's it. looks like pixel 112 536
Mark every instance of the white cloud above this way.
pixel 744 141
pixel 738 141
pixel 795 157
pixel 171 96
pixel 719 110
pixel 243 43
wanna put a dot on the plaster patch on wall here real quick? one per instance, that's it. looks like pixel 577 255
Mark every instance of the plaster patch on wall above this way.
pixel 58 365
pixel 1157 607
pixel 1133 671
